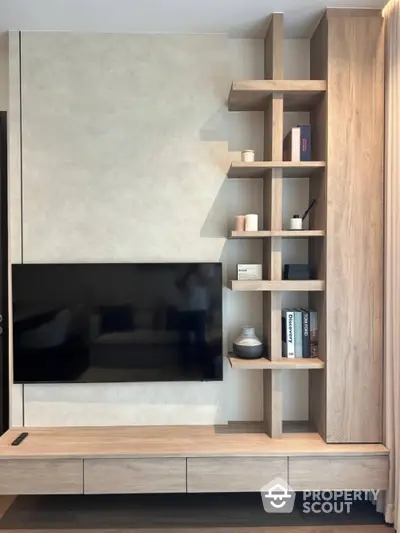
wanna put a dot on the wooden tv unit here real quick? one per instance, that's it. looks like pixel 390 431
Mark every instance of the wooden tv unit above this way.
pixel 178 459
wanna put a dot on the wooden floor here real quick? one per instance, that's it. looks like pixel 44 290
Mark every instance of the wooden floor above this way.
pixel 238 513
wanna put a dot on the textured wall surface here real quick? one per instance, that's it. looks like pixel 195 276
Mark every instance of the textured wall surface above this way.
pixel 14 149
pixel 115 167
pixel 4 71
pixel 126 144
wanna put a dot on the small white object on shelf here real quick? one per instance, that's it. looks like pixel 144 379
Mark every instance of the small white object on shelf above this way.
pixel 296 222
pixel 252 272
pixel 248 156
pixel 251 223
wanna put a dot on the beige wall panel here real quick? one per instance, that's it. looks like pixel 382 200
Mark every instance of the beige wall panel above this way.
pixel 17 406
pixel 115 167
pixel 4 71
pixel 14 150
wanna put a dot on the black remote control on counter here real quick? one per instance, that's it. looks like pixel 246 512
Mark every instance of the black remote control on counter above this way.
pixel 19 439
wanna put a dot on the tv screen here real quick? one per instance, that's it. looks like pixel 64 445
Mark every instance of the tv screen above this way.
pixel 117 322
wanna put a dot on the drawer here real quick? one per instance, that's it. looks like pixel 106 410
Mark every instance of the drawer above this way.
pixel 134 476
pixel 339 473
pixel 37 476
pixel 233 474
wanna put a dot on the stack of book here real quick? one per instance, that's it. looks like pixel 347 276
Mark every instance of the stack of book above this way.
pixel 299 333
pixel 297 144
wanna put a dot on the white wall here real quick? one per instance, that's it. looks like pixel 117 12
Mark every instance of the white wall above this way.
pixel 3 71
pixel 126 143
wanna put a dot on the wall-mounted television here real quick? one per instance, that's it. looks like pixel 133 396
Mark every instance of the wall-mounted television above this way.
pixel 117 322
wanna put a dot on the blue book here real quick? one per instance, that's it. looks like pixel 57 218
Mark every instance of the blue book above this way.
pixel 305 142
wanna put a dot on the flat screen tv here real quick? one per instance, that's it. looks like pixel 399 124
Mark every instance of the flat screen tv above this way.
pixel 117 322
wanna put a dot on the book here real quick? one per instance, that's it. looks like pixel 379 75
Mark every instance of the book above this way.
pixel 305 142
pixel 306 333
pixel 291 145
pixel 313 334
pixel 288 333
pixel 298 333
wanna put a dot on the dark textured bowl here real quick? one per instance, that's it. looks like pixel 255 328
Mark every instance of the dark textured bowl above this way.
pixel 248 352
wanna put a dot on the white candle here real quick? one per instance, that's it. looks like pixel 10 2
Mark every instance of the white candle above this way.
pixel 251 223
pixel 248 156
pixel 296 223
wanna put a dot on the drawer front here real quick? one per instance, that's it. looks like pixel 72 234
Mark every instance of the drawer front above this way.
pixel 339 473
pixel 134 476
pixel 234 474
pixel 31 476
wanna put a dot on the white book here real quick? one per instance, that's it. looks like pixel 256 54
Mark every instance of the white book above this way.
pixel 296 144
pixel 292 145
pixel 288 333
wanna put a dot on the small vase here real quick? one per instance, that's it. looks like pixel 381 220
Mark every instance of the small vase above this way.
pixel 248 345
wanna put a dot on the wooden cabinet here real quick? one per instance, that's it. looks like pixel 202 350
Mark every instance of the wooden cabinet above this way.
pixel 132 476
pixel 339 473
pixel 348 50
pixel 233 474
pixel 38 476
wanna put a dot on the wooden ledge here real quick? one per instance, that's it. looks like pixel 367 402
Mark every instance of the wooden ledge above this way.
pixel 232 440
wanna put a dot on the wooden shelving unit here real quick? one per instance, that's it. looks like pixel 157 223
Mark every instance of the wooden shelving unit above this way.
pixel 254 95
pixel 284 234
pixel 277 285
pixel 278 364
pixel 290 169
pixel 274 95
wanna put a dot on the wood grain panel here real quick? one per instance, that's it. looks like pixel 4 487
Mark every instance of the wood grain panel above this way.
pixel 273 402
pixel 339 473
pixel 332 12
pixel 283 285
pixel 260 169
pixel 355 229
pixel 272 250
pixel 253 95
pixel 134 476
pixel 317 250
pixel 283 363
pixel 285 234
pixel 222 474
pixel 319 52
pixel 273 48
pixel 35 476
pixel 169 441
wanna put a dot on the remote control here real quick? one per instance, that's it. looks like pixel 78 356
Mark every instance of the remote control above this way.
pixel 19 439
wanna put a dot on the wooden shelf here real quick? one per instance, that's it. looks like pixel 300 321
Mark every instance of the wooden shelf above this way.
pixel 283 285
pixel 253 95
pixel 290 169
pixel 285 234
pixel 278 364
pixel 230 440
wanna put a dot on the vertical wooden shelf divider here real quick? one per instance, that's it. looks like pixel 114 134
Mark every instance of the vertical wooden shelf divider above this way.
pixel 272 208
